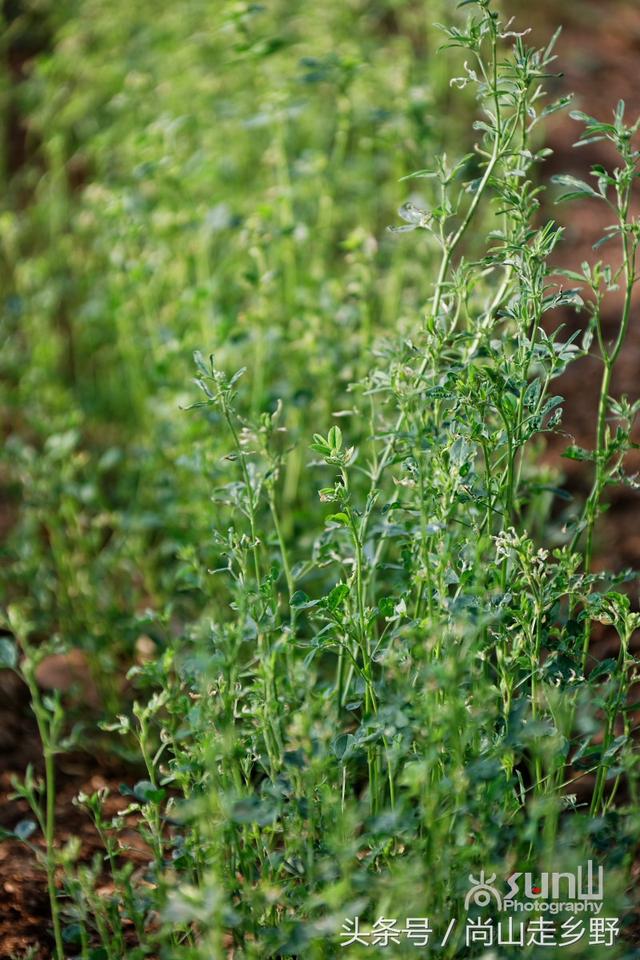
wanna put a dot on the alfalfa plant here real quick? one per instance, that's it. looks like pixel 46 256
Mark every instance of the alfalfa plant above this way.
pixel 357 723
pixel 614 188
pixel 23 657
pixel 443 615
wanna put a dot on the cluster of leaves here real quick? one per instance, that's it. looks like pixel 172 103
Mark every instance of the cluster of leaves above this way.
pixel 377 691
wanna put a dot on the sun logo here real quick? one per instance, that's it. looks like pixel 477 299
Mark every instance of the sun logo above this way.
pixel 482 893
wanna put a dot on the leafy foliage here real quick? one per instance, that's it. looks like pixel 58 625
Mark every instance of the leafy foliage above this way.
pixel 370 672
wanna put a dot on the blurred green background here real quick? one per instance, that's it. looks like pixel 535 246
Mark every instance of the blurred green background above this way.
pixel 203 175
pixel 213 176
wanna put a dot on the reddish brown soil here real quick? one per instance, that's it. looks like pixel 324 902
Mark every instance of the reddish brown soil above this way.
pixel 599 53
pixel 24 913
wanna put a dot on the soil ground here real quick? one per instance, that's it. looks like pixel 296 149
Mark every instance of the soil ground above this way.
pixel 24 913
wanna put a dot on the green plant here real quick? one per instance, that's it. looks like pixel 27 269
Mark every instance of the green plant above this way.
pixel 40 796
pixel 370 673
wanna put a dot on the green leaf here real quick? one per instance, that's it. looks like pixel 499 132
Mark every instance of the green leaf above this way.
pixel 299 598
pixel 72 934
pixel 578 188
pixel 25 829
pixel 612 233
pixel 420 174
pixel 387 606
pixel 335 438
pixel 556 105
pixel 253 810
pixel 617 745
pixel 337 596
pixel 344 746
pixel 320 445
pixel 582 750
pixel 145 791
pixel 574 452
pixel 484 770
pixel 603 669
pixel 8 653
pixel 532 393
pixel 341 518
pixel 239 373
pixel 295 758
pixel 98 953
pixel 301 601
